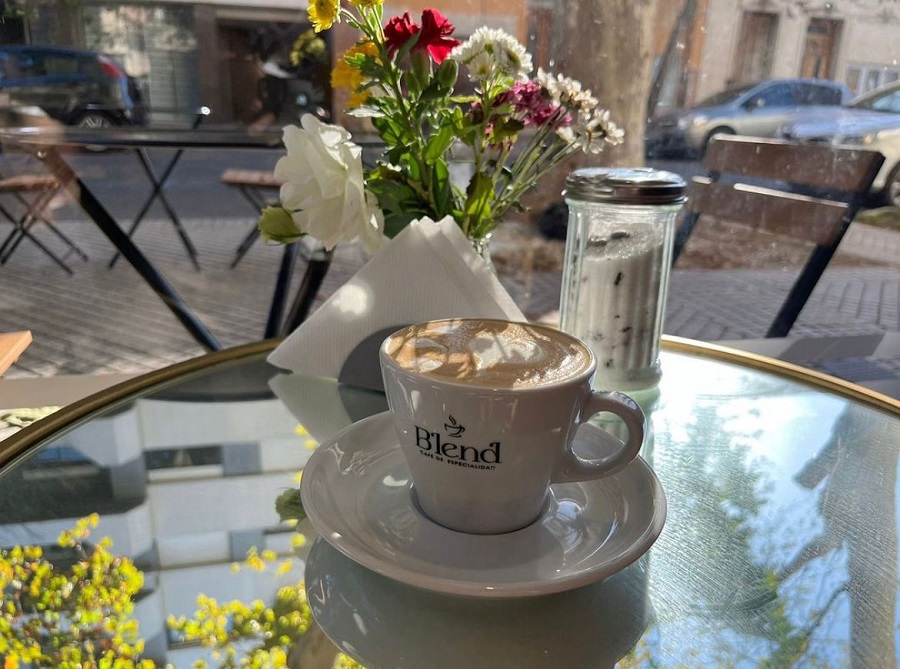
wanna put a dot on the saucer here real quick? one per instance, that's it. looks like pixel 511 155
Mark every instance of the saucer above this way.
pixel 382 623
pixel 356 491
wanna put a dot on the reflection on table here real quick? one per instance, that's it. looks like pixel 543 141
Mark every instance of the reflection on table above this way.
pixel 780 543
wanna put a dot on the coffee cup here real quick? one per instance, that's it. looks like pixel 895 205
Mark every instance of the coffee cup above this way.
pixel 486 412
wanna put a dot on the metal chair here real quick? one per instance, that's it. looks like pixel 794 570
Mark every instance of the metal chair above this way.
pixel 260 188
pixel 33 192
pixel 809 192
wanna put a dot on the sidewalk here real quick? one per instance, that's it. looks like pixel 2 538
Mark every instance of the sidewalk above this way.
pixel 104 321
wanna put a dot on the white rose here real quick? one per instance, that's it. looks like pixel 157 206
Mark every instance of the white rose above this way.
pixel 324 186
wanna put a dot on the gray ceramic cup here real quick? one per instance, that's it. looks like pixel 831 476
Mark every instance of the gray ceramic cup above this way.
pixel 482 458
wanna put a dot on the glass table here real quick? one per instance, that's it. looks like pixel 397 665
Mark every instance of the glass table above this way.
pixel 780 546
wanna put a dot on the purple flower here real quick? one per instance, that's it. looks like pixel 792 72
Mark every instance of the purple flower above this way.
pixel 531 103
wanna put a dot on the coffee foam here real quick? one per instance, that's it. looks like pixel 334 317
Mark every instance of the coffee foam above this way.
pixel 488 353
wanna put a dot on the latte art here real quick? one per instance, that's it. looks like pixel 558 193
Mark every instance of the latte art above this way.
pixel 489 353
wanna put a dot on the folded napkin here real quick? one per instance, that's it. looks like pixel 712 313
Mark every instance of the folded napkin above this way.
pixel 428 271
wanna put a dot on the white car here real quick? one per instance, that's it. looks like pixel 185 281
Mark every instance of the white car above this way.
pixel 871 121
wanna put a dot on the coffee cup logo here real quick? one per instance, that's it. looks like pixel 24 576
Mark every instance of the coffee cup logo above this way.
pixel 453 429
pixel 440 447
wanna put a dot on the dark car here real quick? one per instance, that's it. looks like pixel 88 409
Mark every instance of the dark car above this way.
pixel 757 110
pixel 73 86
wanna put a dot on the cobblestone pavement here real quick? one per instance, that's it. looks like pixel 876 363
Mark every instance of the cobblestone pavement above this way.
pixel 104 320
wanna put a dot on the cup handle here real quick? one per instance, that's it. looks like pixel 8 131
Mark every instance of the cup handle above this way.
pixel 575 468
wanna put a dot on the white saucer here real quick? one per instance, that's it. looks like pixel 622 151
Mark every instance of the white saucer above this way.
pixel 356 492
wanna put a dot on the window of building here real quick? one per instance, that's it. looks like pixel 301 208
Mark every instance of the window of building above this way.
pixel 864 78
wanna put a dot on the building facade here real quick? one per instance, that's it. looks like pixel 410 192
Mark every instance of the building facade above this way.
pixel 191 54
pixel 855 42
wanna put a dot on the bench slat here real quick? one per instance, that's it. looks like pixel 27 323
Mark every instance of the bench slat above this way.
pixel 818 221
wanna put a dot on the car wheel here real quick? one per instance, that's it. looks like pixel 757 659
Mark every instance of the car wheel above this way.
pixel 724 130
pixel 93 120
pixel 892 188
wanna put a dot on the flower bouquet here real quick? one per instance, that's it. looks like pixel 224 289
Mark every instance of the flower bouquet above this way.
pixel 405 76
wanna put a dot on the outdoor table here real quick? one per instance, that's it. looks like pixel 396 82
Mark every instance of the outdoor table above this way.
pixel 780 545
pixel 46 143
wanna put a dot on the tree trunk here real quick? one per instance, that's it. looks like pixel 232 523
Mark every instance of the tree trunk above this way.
pixel 607 46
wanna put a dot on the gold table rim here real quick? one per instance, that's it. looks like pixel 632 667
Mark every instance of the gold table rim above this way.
pixel 22 441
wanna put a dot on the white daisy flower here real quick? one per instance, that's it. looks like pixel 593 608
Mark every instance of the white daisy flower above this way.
pixel 592 131
pixel 481 67
pixel 566 91
pixel 507 57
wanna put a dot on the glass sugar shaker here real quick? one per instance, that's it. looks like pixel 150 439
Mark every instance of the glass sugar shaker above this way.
pixel 616 272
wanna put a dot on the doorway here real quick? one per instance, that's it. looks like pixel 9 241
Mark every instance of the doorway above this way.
pixel 756 46
pixel 820 51
pixel 240 70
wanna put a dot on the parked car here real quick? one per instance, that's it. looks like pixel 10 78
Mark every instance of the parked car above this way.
pixel 871 121
pixel 757 109
pixel 73 86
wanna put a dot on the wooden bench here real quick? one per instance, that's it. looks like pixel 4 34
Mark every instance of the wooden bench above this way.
pixel 805 191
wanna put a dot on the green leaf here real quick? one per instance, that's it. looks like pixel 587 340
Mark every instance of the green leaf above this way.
pixel 434 91
pixel 477 210
pixel 441 189
pixel 479 194
pixel 288 505
pixel 277 225
pixel 390 131
pixel 406 48
pixel 438 144
pixel 396 221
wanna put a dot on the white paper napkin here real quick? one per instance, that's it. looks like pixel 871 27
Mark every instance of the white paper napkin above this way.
pixel 428 271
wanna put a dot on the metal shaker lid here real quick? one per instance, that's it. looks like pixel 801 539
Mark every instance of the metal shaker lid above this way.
pixel 631 185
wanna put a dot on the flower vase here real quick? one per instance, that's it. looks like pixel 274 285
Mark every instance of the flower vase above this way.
pixel 482 247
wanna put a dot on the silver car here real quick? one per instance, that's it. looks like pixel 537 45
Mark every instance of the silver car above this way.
pixel 753 109
pixel 871 121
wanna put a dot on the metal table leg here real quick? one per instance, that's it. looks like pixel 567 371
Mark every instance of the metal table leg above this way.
pixel 282 284
pixel 316 269
pixel 57 165
pixel 158 182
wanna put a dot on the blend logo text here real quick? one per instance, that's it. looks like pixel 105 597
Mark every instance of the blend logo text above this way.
pixel 439 447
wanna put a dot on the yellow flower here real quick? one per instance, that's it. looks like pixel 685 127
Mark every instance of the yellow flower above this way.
pixel 362 4
pixel 346 76
pixel 324 13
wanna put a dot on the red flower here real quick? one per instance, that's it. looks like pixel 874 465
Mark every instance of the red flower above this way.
pixel 398 31
pixel 434 35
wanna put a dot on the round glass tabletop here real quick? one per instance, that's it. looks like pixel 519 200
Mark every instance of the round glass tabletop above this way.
pixel 779 548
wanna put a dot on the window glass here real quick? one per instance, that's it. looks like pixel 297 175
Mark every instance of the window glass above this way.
pixel 29 64
pixel 778 95
pixel 55 65
pixel 725 97
pixel 889 102
pixel 810 94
